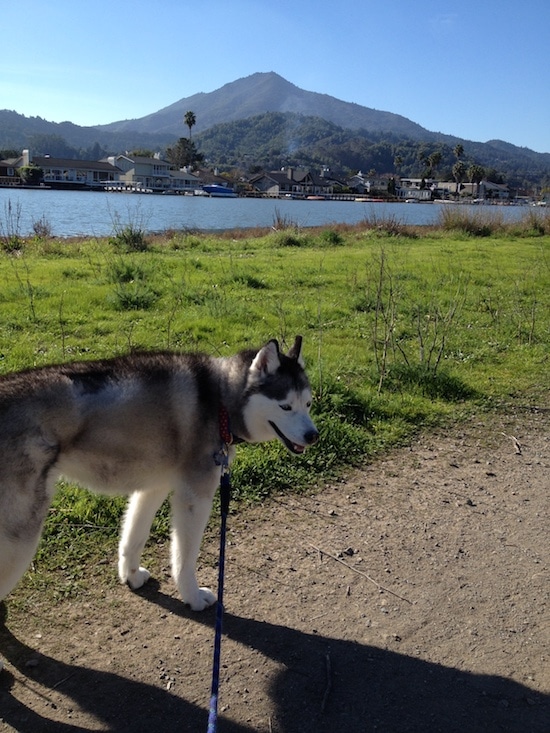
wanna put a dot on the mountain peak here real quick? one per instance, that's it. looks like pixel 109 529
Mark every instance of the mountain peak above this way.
pixel 265 92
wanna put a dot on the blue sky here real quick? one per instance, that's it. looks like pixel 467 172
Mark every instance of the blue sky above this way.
pixel 478 69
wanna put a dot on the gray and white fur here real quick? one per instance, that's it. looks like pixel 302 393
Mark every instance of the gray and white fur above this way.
pixel 145 425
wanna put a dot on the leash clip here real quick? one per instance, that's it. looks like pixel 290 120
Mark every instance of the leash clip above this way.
pixel 221 458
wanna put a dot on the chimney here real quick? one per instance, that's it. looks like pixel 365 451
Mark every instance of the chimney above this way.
pixel 26 157
pixel 290 173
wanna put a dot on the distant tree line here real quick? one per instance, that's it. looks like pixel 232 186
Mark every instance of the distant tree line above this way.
pixel 273 140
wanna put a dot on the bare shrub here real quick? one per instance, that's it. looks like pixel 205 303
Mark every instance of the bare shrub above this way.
pixel 475 223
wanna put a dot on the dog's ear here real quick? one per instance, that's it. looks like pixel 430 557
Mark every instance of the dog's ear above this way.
pixel 267 360
pixel 296 351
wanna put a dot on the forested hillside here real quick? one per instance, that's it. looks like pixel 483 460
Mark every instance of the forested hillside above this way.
pixel 67 140
pixel 273 140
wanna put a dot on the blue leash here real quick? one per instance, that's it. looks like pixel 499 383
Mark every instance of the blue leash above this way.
pixel 225 495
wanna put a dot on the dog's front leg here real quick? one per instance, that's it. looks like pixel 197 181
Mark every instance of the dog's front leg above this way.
pixel 189 518
pixel 141 510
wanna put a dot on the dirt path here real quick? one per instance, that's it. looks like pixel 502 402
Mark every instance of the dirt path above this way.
pixel 454 527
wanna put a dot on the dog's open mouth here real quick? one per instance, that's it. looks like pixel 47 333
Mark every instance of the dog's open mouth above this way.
pixel 292 447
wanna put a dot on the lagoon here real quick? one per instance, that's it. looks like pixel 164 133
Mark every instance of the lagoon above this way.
pixel 97 213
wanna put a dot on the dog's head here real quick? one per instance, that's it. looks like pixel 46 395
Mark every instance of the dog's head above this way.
pixel 279 398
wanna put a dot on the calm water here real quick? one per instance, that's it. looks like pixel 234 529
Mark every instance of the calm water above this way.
pixel 70 213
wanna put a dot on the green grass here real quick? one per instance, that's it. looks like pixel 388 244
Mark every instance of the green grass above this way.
pixel 400 332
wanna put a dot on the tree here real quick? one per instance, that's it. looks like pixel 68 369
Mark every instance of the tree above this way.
pixel 422 155
pixel 475 175
pixel 458 150
pixel 53 145
pixel 184 153
pixel 434 160
pixel 459 171
pixel 190 120
pixel 31 174
pixel 142 153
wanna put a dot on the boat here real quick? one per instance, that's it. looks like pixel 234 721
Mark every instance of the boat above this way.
pixel 215 189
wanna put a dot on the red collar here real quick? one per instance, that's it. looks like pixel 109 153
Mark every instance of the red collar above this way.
pixel 225 432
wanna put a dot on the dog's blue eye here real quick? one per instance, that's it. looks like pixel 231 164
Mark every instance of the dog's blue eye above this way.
pixel 286 408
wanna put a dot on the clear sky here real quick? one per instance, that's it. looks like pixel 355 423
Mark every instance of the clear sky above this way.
pixel 477 69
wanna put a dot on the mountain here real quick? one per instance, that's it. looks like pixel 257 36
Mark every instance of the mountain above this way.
pixel 265 120
pixel 266 92
pixel 65 139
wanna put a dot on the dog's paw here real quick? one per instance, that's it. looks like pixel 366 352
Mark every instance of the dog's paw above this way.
pixel 136 578
pixel 202 599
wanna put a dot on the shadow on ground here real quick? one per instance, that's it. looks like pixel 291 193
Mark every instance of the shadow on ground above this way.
pixel 326 685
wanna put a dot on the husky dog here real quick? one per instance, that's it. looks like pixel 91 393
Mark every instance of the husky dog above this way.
pixel 145 425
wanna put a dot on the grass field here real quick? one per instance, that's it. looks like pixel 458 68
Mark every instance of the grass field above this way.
pixel 402 329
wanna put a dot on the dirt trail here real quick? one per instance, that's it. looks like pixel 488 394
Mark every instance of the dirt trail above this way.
pixel 412 596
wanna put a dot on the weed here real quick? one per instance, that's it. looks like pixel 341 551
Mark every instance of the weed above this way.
pixel 389 226
pixel 10 229
pixel 130 236
pixel 283 221
pixel 331 238
pixel 42 228
pixel 124 270
pixel 475 223
pixel 536 223
pixel 289 238
pixel 134 296
pixel 250 281
pixel 130 239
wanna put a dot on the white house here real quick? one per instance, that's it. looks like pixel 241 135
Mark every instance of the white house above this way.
pixel 416 189
pixel 153 174
pixel 143 173
pixel 68 172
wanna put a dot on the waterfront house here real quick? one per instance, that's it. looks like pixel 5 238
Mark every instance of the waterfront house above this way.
pixel 142 173
pixel 183 181
pixel 59 172
pixel 488 190
pixel 416 189
pixel 153 174
pixel 364 184
pixel 483 190
pixel 8 172
pixel 69 173
pixel 293 183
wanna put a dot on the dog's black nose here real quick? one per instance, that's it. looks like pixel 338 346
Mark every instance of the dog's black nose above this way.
pixel 311 437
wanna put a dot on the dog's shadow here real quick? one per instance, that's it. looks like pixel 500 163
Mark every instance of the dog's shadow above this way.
pixel 326 685
pixel 116 702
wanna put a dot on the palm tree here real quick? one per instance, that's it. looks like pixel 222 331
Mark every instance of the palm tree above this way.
pixel 475 175
pixel 459 171
pixel 190 120
pixel 458 150
pixel 434 160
